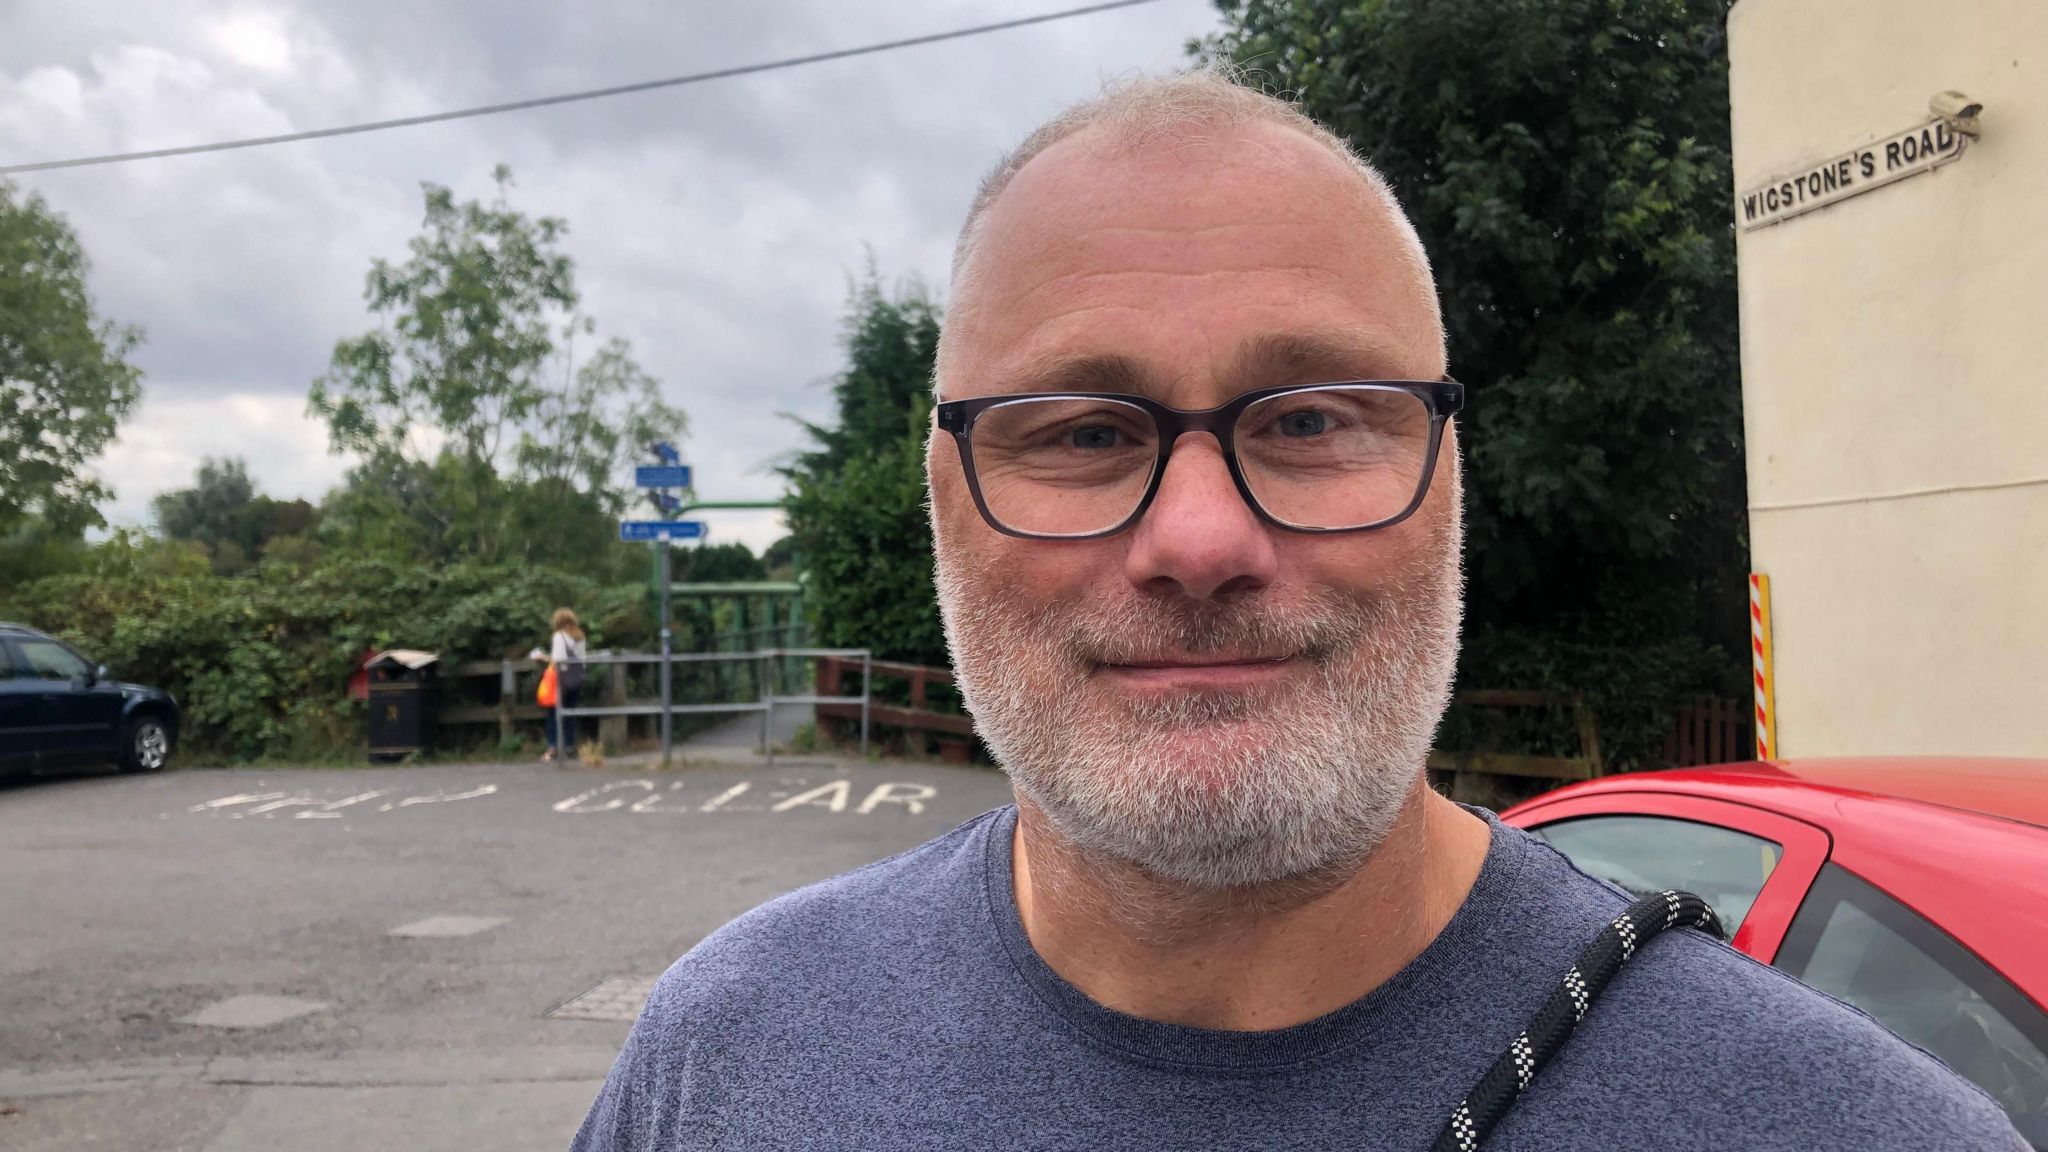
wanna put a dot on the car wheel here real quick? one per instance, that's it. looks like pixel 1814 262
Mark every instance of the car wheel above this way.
pixel 147 745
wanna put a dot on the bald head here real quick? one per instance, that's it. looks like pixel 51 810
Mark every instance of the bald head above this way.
pixel 1191 116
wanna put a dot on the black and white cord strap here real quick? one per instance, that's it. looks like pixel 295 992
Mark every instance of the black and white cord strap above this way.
pixel 1560 1015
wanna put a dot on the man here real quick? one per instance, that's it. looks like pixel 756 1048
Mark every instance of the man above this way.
pixel 1210 648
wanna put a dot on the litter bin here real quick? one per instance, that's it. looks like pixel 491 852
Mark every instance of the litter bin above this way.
pixel 402 683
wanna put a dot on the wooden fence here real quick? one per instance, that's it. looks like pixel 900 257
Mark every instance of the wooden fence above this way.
pixel 1706 731
pixel 1474 774
pixel 1710 731
pixel 954 731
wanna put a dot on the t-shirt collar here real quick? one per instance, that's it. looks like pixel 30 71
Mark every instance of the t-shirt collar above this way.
pixel 1431 974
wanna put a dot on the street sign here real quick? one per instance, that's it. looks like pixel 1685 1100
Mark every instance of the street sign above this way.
pixel 666 451
pixel 647 530
pixel 662 476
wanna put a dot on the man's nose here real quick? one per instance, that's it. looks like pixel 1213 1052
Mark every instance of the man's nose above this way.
pixel 1199 537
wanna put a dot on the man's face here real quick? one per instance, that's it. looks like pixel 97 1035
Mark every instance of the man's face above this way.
pixel 1219 701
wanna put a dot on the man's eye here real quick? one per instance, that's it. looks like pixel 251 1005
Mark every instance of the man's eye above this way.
pixel 1093 436
pixel 1301 424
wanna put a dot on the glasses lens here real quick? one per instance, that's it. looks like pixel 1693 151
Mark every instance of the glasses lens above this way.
pixel 1064 466
pixel 1344 456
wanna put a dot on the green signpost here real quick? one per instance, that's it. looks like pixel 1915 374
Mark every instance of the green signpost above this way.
pixel 664 586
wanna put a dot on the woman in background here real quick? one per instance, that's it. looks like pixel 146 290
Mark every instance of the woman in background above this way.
pixel 566 654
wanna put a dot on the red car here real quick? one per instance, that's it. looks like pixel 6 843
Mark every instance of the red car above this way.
pixel 1913 888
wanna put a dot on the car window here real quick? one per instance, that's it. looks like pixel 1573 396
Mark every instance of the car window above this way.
pixel 1646 854
pixel 48 660
pixel 1859 945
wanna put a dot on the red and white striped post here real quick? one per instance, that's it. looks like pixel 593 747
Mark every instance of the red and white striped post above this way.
pixel 1760 663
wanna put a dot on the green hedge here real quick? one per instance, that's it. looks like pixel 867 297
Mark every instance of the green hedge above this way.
pixel 260 662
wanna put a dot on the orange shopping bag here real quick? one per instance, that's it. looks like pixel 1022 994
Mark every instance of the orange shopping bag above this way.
pixel 549 687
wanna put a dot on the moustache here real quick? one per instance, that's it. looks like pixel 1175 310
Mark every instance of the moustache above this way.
pixel 1317 627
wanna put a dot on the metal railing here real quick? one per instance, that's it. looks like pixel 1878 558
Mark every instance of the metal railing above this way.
pixel 766 660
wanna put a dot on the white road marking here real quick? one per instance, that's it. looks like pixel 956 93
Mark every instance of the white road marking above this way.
pixel 719 801
pixel 578 803
pixel 833 796
pixel 269 804
pixel 472 794
pixel 640 796
pixel 331 811
pixel 912 796
pixel 287 802
pixel 652 801
pixel 837 790
pixel 231 801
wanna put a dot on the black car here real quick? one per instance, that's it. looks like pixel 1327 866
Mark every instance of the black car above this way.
pixel 59 709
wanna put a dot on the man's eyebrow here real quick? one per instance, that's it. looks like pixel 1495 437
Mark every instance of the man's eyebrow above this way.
pixel 1102 372
pixel 1273 358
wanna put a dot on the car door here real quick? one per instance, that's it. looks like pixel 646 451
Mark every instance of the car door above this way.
pixel 79 711
pixel 1753 867
pixel 21 725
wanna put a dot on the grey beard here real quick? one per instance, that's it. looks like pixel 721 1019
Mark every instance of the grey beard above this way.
pixel 1206 790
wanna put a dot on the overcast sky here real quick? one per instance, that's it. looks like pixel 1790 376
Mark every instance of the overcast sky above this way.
pixel 714 226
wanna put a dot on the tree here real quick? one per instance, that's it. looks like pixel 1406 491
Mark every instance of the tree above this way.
pixel 469 331
pixel 480 434
pixel 856 500
pixel 716 563
pixel 1570 183
pixel 891 343
pixel 781 559
pixel 208 510
pixel 223 513
pixel 65 380
pixel 585 434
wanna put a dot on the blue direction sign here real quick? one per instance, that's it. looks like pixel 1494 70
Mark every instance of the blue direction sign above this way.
pixel 647 530
pixel 662 476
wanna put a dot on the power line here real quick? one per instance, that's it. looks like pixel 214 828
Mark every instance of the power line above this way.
pixel 569 97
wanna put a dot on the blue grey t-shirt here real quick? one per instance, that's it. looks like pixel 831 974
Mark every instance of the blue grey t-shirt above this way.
pixel 901 1006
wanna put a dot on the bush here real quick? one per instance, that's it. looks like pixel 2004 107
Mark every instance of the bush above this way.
pixel 260 661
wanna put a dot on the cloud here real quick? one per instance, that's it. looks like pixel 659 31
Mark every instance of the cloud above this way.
pixel 714 226
pixel 253 39
pixel 162 443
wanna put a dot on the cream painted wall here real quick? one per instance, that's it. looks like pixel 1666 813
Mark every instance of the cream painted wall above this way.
pixel 1895 377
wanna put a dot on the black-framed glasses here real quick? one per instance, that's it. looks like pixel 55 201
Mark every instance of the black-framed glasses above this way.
pixel 1343 456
